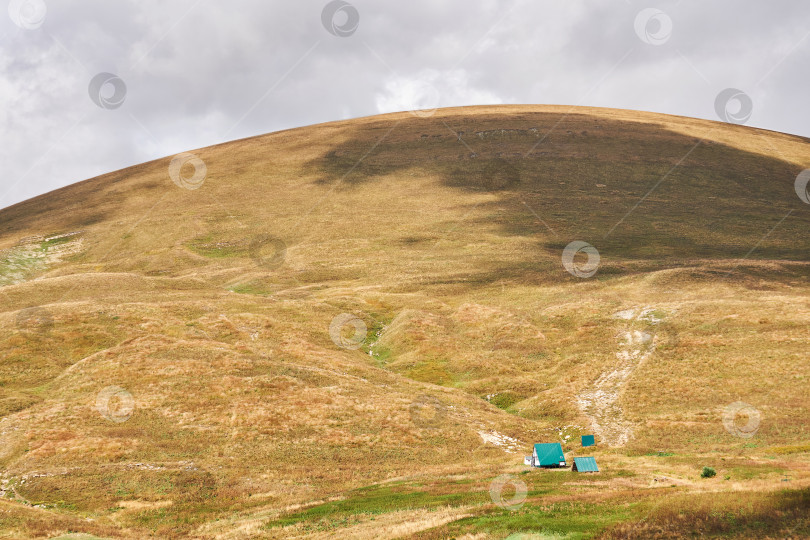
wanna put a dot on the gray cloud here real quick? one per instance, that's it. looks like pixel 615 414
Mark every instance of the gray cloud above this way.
pixel 199 72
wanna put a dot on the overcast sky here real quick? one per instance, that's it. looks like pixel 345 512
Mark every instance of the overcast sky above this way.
pixel 183 74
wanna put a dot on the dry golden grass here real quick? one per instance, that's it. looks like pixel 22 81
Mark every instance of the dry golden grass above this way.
pixel 243 407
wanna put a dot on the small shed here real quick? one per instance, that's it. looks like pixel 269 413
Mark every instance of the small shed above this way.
pixel 548 455
pixel 588 440
pixel 585 464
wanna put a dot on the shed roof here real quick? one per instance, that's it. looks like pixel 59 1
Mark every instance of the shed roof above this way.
pixel 588 440
pixel 549 453
pixel 585 464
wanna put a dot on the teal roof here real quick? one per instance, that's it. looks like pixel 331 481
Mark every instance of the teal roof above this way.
pixel 549 453
pixel 588 440
pixel 585 464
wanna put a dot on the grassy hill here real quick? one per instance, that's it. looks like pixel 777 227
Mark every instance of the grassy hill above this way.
pixel 355 328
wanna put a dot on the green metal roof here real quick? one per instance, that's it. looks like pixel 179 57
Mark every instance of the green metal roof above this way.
pixel 588 440
pixel 549 453
pixel 585 464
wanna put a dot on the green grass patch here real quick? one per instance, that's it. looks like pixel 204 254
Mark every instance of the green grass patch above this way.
pixel 569 520
pixel 794 449
pixel 750 472
pixel 431 370
pixel 255 288
pixel 377 500
pixel 504 400
pixel 56 241
pixel 219 248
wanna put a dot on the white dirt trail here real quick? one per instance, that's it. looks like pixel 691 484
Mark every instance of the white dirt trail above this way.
pixel 600 401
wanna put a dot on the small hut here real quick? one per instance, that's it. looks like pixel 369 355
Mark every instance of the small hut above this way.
pixel 585 464
pixel 588 440
pixel 548 455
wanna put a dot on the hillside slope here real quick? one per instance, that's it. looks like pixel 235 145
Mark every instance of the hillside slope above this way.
pixel 385 300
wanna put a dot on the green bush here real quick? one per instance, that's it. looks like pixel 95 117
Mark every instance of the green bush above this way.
pixel 708 472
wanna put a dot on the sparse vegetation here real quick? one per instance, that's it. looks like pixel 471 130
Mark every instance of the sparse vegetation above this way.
pixel 779 514
pixel 250 421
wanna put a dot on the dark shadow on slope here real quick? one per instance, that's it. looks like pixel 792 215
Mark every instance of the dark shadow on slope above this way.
pixel 636 191
pixel 79 205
